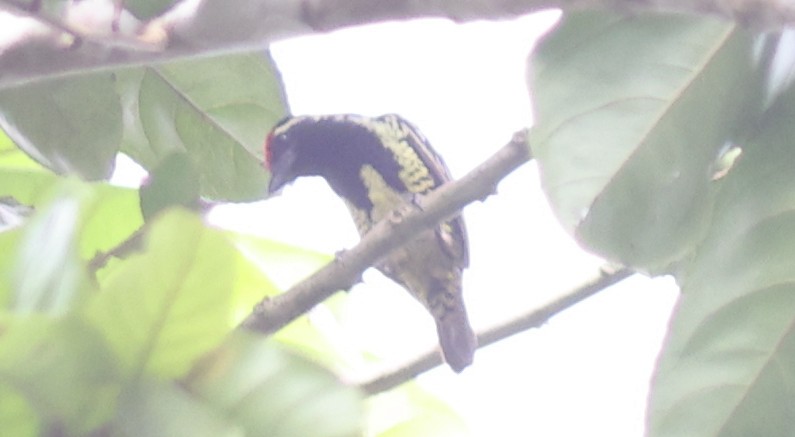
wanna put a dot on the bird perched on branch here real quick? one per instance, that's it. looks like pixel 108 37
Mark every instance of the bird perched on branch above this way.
pixel 376 165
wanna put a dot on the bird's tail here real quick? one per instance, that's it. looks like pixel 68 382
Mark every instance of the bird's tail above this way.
pixel 456 337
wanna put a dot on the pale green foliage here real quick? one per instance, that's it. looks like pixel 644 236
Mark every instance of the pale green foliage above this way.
pixel 634 116
pixel 144 342
pixel 648 112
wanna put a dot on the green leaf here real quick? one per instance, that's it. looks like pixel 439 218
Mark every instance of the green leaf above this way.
pixel 63 368
pixel 270 392
pixel 162 309
pixel 48 275
pixel 252 282
pixel 163 409
pixel 148 9
pixel 72 125
pixel 12 213
pixel 111 216
pixel 22 178
pixel 9 244
pixel 218 110
pixel 74 221
pixel 108 214
pixel 411 411
pixel 28 187
pixel 17 415
pixel 286 265
pixel 631 113
pixel 729 359
pixel 12 156
pixel 174 182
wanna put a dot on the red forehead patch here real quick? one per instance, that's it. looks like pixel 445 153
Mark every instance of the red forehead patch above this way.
pixel 268 151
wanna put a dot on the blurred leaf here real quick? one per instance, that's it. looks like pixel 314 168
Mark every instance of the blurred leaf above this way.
pixel 410 411
pixel 16 415
pixel 286 265
pixel 112 215
pixel 48 275
pixel 12 156
pixel 9 245
pixel 12 213
pixel 26 186
pixel 63 368
pixel 272 393
pixel 218 110
pixel 75 220
pixel 148 9
pixel 109 214
pixel 729 357
pixel 164 409
pixel 174 182
pixel 51 8
pixel 162 309
pixel 251 286
pixel 631 113
pixel 22 178
pixel 72 125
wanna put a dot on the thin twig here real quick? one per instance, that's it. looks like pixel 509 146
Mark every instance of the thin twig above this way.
pixel 122 250
pixel 273 313
pixel 532 319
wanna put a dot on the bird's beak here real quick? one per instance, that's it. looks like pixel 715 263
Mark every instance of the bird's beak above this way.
pixel 282 172
pixel 276 183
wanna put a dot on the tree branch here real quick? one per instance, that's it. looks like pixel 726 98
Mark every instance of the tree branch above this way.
pixel 532 319
pixel 218 26
pixel 122 250
pixel 273 313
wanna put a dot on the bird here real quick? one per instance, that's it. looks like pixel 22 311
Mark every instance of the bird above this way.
pixel 376 165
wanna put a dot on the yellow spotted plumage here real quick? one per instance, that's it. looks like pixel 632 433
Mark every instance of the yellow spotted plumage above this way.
pixel 375 165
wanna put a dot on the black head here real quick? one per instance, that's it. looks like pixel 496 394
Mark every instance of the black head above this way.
pixel 281 156
pixel 338 147
pixel 332 146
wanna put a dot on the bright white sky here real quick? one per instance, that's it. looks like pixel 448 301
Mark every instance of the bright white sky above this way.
pixel 584 373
